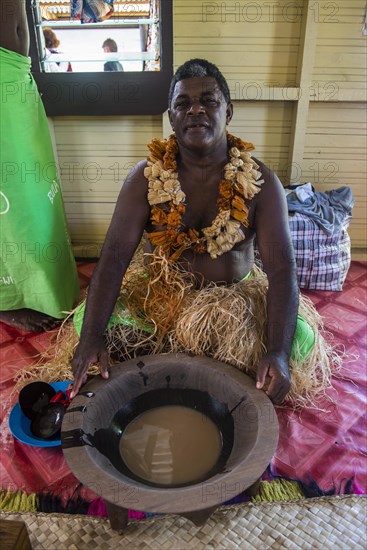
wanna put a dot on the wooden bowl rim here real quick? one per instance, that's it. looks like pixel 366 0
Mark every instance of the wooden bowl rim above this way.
pixel 129 493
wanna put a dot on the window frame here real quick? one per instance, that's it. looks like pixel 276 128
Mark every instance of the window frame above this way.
pixel 106 93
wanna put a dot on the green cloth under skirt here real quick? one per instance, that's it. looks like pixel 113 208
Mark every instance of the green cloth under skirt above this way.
pixel 37 266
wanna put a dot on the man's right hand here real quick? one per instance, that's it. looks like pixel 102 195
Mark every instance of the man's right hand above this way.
pixel 88 353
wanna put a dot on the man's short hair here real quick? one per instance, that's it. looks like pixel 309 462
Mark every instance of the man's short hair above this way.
pixel 111 44
pixel 199 68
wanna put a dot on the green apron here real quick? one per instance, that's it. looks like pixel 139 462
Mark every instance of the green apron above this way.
pixel 37 267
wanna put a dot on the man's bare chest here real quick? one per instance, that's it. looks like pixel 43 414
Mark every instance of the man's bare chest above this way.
pixel 202 205
pixel 201 202
pixel 201 213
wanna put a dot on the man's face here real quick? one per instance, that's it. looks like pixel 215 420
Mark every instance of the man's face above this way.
pixel 199 113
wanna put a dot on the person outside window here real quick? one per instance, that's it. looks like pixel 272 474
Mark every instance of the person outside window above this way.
pixel 110 46
pixel 52 43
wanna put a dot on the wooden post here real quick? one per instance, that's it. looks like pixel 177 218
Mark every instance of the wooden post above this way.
pixel 306 61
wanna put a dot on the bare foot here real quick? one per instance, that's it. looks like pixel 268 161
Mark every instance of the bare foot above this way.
pixel 29 320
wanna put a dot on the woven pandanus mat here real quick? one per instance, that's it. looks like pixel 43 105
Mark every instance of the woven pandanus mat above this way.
pixel 315 523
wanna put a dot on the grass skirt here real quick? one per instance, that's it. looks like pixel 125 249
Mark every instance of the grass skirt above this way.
pixel 160 311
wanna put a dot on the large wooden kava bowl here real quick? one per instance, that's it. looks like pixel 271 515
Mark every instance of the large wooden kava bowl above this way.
pixel 245 416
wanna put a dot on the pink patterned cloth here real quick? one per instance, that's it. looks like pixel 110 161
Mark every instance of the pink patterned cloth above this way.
pixel 328 447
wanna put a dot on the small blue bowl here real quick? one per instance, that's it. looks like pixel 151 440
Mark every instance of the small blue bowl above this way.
pixel 20 425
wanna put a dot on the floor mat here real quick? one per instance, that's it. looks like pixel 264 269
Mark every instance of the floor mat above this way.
pixel 335 523
pixel 325 451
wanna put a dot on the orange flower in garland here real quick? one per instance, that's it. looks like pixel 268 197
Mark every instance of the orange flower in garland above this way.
pixel 200 248
pixel 193 235
pixel 181 238
pixel 223 204
pixel 241 180
pixel 240 216
pixel 169 158
pixel 158 238
pixel 174 218
pixel 239 204
pixel 157 148
pixel 158 216
pixel 234 141
pixel 225 189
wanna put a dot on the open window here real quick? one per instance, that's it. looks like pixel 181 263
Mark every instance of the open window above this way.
pixel 102 65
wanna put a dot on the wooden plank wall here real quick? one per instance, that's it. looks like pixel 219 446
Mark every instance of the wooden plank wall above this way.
pixel 95 155
pixel 297 74
pixel 336 136
pixel 335 155
pixel 340 68
pixel 268 125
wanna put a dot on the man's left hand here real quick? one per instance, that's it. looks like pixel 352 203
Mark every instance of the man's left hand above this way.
pixel 275 366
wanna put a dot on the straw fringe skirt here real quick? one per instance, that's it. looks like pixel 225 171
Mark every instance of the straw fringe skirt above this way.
pixel 161 312
pixel 227 323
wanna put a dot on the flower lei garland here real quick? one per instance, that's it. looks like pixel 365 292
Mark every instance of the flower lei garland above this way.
pixel 241 181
